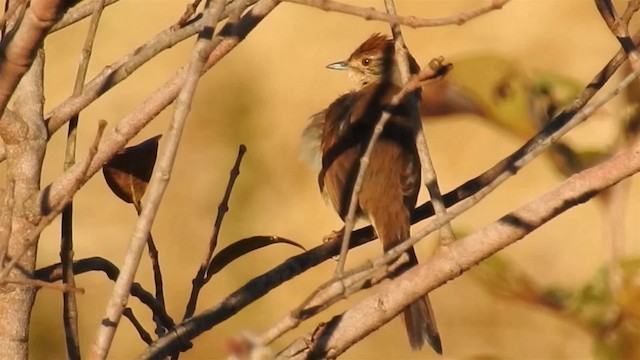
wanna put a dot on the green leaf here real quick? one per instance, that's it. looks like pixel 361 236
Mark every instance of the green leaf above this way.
pixel 243 247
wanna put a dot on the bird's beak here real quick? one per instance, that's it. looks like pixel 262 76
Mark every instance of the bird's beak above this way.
pixel 340 65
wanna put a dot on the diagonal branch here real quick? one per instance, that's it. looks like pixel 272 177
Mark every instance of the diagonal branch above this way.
pixel 411 21
pixel 334 337
pixel 159 181
pixel 428 171
pixel 619 26
pixel 19 47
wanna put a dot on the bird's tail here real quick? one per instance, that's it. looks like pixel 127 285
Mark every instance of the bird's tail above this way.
pixel 420 320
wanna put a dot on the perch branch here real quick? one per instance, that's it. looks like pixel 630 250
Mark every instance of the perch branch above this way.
pixel 428 171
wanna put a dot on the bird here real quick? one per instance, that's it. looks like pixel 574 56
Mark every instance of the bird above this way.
pixel 337 137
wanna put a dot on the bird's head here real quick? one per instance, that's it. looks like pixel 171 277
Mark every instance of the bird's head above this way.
pixel 373 60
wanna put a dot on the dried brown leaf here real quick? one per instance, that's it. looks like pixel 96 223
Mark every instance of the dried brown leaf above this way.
pixel 128 173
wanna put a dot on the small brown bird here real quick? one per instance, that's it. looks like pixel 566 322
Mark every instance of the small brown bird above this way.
pixel 336 139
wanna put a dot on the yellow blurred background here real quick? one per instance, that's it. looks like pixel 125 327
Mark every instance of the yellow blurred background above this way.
pixel 261 95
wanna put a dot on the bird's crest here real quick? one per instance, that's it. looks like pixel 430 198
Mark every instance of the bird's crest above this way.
pixel 375 42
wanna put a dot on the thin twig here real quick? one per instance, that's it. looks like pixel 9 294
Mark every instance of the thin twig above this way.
pixel 144 334
pixel 32 237
pixel 159 181
pixel 411 21
pixel 202 277
pixel 410 86
pixel 428 171
pixel 44 284
pixel 79 12
pixel 328 294
pixel 619 26
pixel 154 256
pixel 188 13
pixel 53 273
pixel 70 308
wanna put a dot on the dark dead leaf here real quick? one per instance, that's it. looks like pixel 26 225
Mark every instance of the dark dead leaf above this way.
pixel 128 173
pixel 243 247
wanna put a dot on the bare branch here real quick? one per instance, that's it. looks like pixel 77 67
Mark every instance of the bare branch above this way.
pixel 70 308
pixel 619 26
pixel 428 171
pixel 203 48
pixel 77 13
pixel 19 46
pixel 334 337
pixel 411 21
pixel 202 277
pixel 54 273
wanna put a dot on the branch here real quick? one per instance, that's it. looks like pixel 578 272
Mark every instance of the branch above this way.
pixel 619 27
pixel 19 47
pixel 334 337
pixel 159 181
pixel 54 273
pixel 428 171
pixel 411 21
pixel 202 277
pixel 70 308
pixel 80 12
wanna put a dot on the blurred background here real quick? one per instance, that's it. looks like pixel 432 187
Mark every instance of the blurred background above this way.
pixel 261 95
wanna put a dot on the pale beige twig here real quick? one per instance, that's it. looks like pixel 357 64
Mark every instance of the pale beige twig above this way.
pixel 324 296
pixel 44 284
pixel 428 171
pixel 79 12
pixel 411 21
pixel 159 181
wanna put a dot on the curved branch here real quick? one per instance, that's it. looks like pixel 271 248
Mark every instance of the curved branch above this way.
pixel 411 21
pixel 54 273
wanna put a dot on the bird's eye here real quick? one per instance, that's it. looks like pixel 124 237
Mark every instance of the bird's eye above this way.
pixel 365 61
